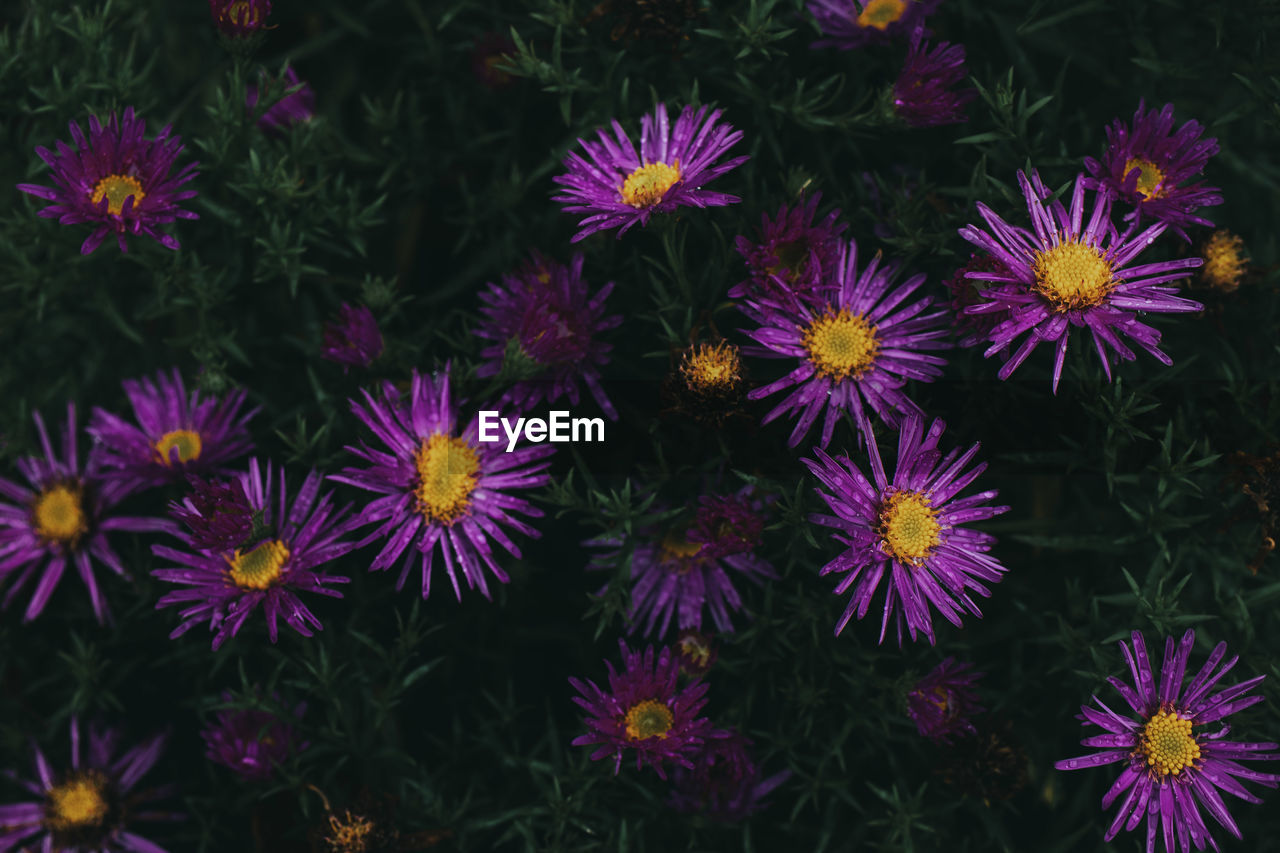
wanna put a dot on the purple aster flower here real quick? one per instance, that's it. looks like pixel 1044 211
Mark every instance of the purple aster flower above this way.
pixel 908 529
pixel 861 345
pixel 855 23
pixel 543 323
pixel 942 702
pixel 923 94
pixel 440 488
pixel 1170 769
pixel 795 256
pixel 91 805
pixel 117 181
pixel 237 19
pixel 63 518
pixel 1148 163
pixel 725 782
pixel 252 741
pixel 1072 272
pixel 725 525
pixel 643 710
pixel 353 339
pixel 291 109
pixel 619 188
pixel 218 514
pixel 224 586
pixel 176 434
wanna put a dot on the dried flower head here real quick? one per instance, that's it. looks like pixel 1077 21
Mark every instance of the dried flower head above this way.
pixel 1225 261
pixel 990 764
pixel 240 19
pixel 942 702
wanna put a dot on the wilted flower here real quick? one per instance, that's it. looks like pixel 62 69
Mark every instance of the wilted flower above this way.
pixel 725 783
pixel 696 652
pixel 795 258
pixel 251 741
pixel 1225 261
pixel 353 338
pixel 218 514
pixel 942 702
pixel 923 95
pixel 990 764
pixel 238 19
pixel 709 384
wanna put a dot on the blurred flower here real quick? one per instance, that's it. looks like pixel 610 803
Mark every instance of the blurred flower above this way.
pixel 91 805
pixel 1259 478
pixel 943 701
pixel 369 826
pixel 237 19
pixel 440 488
pixel 291 109
pixel 226 585
pixel 1225 261
pixel 990 764
pixel 725 783
pixel 619 188
pixel 218 514
pixel 653 20
pixel 709 384
pixel 176 434
pixel 62 519
pixel 353 338
pixel 966 293
pixel 643 710
pixel 908 529
pixel 1069 273
pixel 250 741
pixel 1170 770
pixel 544 317
pixel 854 348
pixel 696 652
pixel 117 181
pixel 489 50
pixel 795 257
pixel 923 94
pixel 1147 163
pixel 855 23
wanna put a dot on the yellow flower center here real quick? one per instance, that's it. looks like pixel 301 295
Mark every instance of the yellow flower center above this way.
pixel 260 567
pixel 881 13
pixel 242 8
pixel 59 514
pixel 1168 744
pixel 647 719
pixel 349 834
pixel 841 344
pixel 677 553
pixel 117 188
pixel 1072 276
pixel 646 186
pixel 447 470
pixel 712 367
pixel 909 528
pixel 187 441
pixel 78 803
pixel 696 648
pixel 1150 179
pixel 1224 261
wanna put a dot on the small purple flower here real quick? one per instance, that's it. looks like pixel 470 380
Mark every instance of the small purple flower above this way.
pixel 1148 163
pixel 619 188
pixel 118 181
pixel 942 702
pixel 218 514
pixel 291 109
pixel 907 530
pixel 544 319
pixel 62 519
pixel 91 805
pixel 176 434
pixel 353 338
pixel 440 489
pixel 1072 272
pixel 862 345
pixel 725 783
pixel 252 741
pixel 225 585
pixel 1171 770
pixel 923 94
pixel 725 525
pixel 238 19
pixel 643 710
pixel 850 24
pixel 795 256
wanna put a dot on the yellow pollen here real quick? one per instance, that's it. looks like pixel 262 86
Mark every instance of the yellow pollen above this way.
pixel 841 344
pixel 1168 744
pixel 909 528
pixel 647 719
pixel 244 9
pixel 712 367
pixel 447 470
pixel 881 13
pixel 187 441
pixel 349 833
pixel 59 514
pixel 677 553
pixel 696 648
pixel 77 803
pixel 1072 275
pixel 1224 261
pixel 1150 179
pixel 261 567
pixel 646 186
pixel 117 188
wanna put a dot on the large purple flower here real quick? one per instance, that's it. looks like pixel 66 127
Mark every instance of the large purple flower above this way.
pixel 544 319
pixel 251 741
pixel 725 783
pixel 1148 164
pixel 1170 769
pixel 62 519
pixel 795 256
pixel 288 542
pixel 90 806
pixel 906 530
pixel 619 188
pixel 440 488
pixel 118 181
pixel 176 434
pixel 1072 272
pixel 855 23
pixel 645 711
pixel 860 345
pixel 923 94
pixel 942 702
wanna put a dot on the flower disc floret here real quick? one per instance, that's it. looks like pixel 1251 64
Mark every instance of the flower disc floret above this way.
pixel 909 527
pixel 447 468
pixel 259 568
pixel 648 184
pixel 1167 744
pixel 1072 276
pixel 649 718
pixel 841 344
